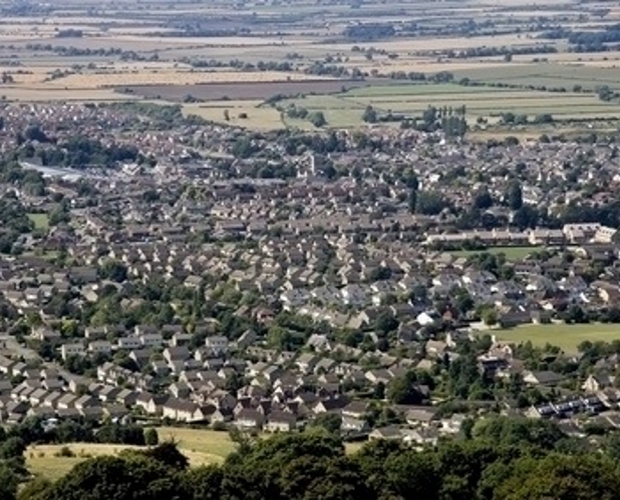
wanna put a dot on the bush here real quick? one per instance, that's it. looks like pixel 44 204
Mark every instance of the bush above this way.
pixel 65 452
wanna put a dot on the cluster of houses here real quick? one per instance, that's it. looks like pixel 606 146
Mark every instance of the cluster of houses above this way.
pixel 336 242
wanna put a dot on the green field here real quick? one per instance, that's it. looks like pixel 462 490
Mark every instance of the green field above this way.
pixel 41 221
pixel 346 109
pixel 511 253
pixel 567 337
pixel 548 74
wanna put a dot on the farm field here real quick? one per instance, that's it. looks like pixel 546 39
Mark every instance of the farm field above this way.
pixel 567 337
pixel 346 109
pixel 551 75
pixel 258 117
pixel 243 90
pixel 201 446
pixel 511 253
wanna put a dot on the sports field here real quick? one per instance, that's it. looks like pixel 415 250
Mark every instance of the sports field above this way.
pixel 567 337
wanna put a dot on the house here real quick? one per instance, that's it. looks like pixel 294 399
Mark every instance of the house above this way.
pixel 217 345
pixel 355 409
pixel 249 419
pixel 180 410
pixel 598 382
pixel 306 362
pixel 350 424
pixel 422 415
pixel 131 342
pixel 545 378
pixel 100 347
pixel 151 339
pixel 68 350
pixel 391 432
pixel 279 421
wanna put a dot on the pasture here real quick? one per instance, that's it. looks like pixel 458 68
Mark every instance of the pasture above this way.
pixel 566 337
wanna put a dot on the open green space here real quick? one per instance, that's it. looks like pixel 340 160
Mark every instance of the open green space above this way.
pixel 511 253
pixel 201 446
pixel 567 337
pixel 41 221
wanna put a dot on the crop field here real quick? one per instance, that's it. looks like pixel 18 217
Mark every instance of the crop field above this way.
pixel 243 90
pixel 567 337
pixel 174 78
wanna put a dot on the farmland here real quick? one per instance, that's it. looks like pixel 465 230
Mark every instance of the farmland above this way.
pixel 131 52
pixel 567 337
pixel 345 109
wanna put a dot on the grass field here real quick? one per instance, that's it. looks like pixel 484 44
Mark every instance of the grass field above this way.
pixel 346 109
pixel 511 253
pixel 201 446
pixel 567 337
pixel 41 221
pixel 258 117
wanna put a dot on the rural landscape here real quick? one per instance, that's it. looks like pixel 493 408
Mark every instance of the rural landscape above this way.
pixel 309 250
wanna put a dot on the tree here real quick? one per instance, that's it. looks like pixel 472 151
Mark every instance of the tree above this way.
pixel 331 422
pixel 370 115
pixel 401 390
pixel 514 195
pixel 203 483
pixel 150 437
pixel 8 483
pixel 317 119
pixel 489 317
pixel 430 203
pixel 412 200
pixel 580 477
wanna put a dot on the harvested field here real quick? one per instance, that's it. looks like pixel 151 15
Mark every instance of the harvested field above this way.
pixel 237 90
pixel 178 77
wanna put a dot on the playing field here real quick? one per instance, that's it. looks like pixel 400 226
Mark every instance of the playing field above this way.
pixel 567 337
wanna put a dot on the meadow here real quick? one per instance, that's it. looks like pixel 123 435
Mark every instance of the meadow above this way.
pixel 567 337
pixel 201 446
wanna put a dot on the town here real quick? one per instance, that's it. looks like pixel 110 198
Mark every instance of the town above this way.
pixel 364 281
